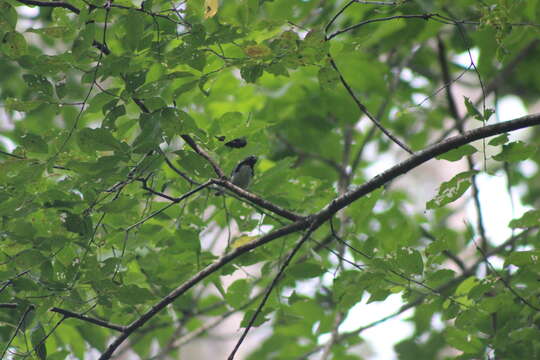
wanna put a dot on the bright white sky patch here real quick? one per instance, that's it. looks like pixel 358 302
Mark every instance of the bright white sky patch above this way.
pixel 496 206
pixel 510 107
pixel 464 59
pixel 384 336
pixel 414 80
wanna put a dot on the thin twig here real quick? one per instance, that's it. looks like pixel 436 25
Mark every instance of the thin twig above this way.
pixel 460 126
pixel 175 201
pixel 176 170
pixel 356 26
pixel 19 326
pixel 451 283
pixel 85 101
pixel 103 323
pixel 316 220
pixel 334 18
pixel 503 280
pixel 460 264
pixel 363 109
pixel 333 164
pixel 199 150
pixel 286 263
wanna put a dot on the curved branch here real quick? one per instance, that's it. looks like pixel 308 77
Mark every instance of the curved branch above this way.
pixel 316 220
pixel 355 26
pixel 59 4
pixel 258 201
pixel 195 279
pixel 423 156
pixel 199 150
pixel 364 109
pixel 103 323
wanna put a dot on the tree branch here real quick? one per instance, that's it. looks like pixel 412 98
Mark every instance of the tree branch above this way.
pixel 470 271
pixel 103 323
pixel 363 109
pixel 258 201
pixel 268 291
pixel 355 26
pixel 199 150
pixel 59 4
pixel 316 220
pixel 423 156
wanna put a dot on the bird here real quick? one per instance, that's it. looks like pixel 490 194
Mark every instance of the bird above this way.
pixel 243 172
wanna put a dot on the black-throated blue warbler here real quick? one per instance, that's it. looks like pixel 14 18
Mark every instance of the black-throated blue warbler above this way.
pixel 243 172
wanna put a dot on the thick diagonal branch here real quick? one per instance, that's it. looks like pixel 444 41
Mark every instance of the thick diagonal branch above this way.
pixel 316 220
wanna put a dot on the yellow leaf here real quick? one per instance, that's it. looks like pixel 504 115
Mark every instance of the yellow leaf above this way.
pixel 242 240
pixel 210 8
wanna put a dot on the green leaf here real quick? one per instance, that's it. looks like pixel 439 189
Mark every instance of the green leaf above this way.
pixel 251 73
pixel 133 294
pixel 261 318
pixel 38 341
pixel 238 293
pixel 451 190
pixel 472 110
pixel 81 225
pixel 84 41
pixel 20 105
pixel 185 87
pixel 188 55
pixel 305 270
pixel 410 261
pixel 34 143
pixel 28 258
pixel 8 17
pixel 119 205
pixel 457 154
pixel 61 89
pixel 151 134
pixel 524 258
pixel 466 286
pixel 314 47
pixel 530 219
pixel 176 122
pixel 134 23
pixel 40 86
pixel 328 77
pixel 90 140
pixel 488 113
pixel 499 140
pixel 14 45
pixel 462 340
pixel 109 123
pixel 52 31
pixel 515 151
pixel 192 163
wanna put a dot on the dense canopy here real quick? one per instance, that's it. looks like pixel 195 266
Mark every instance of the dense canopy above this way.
pixel 397 159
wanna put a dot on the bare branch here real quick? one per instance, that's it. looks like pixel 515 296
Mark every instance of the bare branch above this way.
pixel 316 220
pixel 59 4
pixel 103 323
pixel 363 109
pixel 451 283
pixel 286 263
pixel 19 326
pixel 199 150
pixel 356 26
pixel 504 281
pixel 258 200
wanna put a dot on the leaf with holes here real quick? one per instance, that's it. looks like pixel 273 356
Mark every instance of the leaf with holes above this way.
pixel 452 190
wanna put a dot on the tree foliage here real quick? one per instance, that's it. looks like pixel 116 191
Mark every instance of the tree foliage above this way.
pixel 121 119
